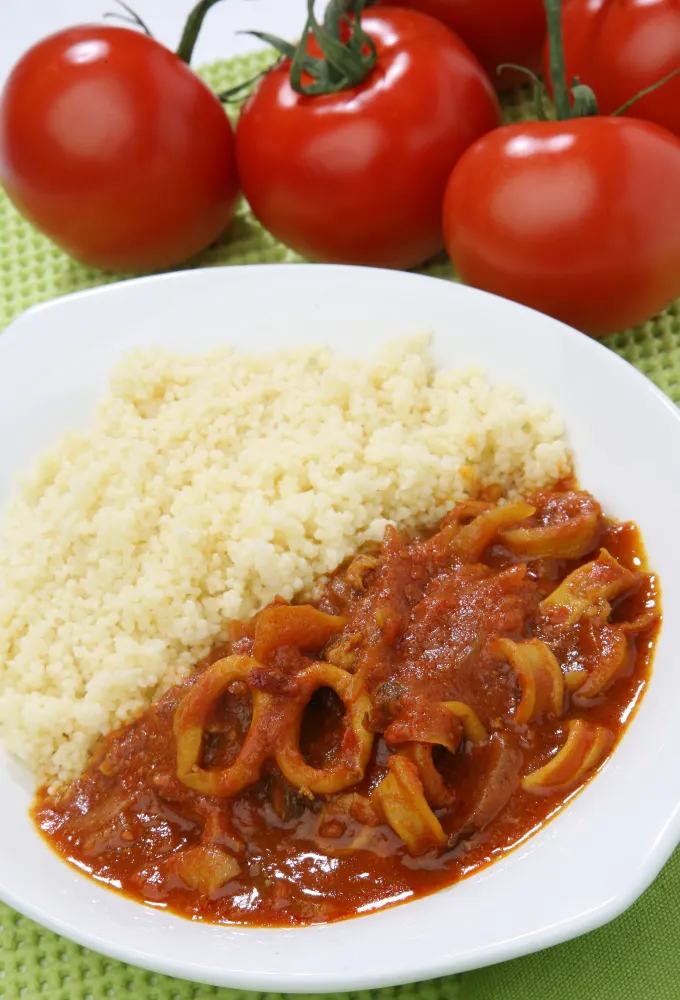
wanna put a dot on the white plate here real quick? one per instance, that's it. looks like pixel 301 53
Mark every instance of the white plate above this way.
pixel 583 868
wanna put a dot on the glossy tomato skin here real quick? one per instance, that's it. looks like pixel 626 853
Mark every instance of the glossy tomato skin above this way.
pixel 497 31
pixel 579 219
pixel 359 177
pixel 115 149
pixel 621 47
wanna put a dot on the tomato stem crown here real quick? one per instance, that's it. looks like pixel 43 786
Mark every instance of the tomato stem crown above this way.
pixel 348 53
pixel 539 87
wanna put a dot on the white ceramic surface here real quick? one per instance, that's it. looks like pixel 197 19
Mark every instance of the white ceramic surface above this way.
pixel 587 865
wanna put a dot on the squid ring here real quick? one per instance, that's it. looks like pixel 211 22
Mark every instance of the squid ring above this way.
pixel 434 786
pixel 190 719
pixel 355 749
pixel 539 675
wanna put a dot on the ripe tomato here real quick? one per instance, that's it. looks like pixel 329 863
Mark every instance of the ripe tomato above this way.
pixel 579 219
pixel 359 176
pixel 114 148
pixel 621 47
pixel 497 31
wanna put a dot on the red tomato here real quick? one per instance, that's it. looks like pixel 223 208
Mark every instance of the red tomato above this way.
pixel 358 177
pixel 497 31
pixel 621 47
pixel 579 219
pixel 114 148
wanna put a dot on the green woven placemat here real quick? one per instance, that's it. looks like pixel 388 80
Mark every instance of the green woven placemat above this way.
pixel 637 957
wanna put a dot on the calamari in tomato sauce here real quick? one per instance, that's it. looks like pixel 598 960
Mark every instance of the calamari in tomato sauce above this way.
pixel 441 699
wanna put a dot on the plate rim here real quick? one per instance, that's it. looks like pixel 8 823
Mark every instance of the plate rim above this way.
pixel 645 873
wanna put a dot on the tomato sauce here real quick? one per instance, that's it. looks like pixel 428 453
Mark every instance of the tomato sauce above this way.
pixel 419 621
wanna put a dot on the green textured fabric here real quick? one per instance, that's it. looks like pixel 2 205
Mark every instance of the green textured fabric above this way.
pixel 636 957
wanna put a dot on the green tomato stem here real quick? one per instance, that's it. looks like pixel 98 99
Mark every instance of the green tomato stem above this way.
pixel 648 90
pixel 192 29
pixel 558 74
